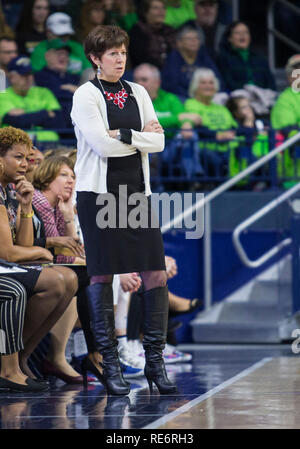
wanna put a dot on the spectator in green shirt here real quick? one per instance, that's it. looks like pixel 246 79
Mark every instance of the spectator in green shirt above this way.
pixel 285 116
pixel 179 11
pixel 169 109
pixel 218 125
pixel 286 111
pixel 59 27
pixel 26 106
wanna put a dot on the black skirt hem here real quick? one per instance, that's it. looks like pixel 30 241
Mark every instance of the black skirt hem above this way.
pixel 125 271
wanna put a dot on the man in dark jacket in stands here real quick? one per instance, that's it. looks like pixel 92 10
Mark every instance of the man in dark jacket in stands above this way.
pixel 150 38
pixel 206 23
pixel 56 78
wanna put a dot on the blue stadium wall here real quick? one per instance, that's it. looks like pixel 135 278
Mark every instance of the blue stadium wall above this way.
pixel 228 273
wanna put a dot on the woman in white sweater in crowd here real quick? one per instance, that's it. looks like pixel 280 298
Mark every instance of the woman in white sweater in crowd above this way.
pixel 116 127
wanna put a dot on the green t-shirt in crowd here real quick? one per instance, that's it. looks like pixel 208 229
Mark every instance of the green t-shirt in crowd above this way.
pixel 37 99
pixel 127 21
pixel 167 107
pixel 215 117
pixel 78 60
pixel 176 17
pixel 286 110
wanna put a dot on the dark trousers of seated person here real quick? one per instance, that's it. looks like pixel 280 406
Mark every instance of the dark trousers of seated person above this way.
pixel 215 163
pixel 82 305
pixel 13 300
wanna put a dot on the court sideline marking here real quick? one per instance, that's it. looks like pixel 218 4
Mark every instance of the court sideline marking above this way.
pixel 184 408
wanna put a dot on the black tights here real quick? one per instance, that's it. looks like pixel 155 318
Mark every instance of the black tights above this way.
pixel 151 279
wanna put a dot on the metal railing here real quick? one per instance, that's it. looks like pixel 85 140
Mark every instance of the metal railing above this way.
pixel 211 196
pixel 206 160
pixel 252 219
pixel 272 32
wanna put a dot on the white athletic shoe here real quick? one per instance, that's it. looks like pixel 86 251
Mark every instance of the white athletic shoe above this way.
pixel 131 364
pixel 173 355
pixel 170 353
pixel 136 348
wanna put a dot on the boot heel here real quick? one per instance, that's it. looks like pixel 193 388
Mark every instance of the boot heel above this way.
pixel 156 373
pixel 112 383
pixel 150 383
pixel 85 382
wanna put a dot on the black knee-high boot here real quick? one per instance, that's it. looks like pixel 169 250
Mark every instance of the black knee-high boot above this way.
pixel 101 310
pixel 156 308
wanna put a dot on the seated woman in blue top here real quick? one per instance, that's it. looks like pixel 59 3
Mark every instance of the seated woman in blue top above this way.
pixel 239 64
pixel 181 63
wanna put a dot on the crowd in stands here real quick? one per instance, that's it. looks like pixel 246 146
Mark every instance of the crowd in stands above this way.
pixel 217 101
pixel 190 56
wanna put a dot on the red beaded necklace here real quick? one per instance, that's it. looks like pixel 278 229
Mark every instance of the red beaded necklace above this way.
pixel 118 98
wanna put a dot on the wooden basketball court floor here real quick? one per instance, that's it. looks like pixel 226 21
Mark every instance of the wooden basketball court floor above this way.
pixel 223 387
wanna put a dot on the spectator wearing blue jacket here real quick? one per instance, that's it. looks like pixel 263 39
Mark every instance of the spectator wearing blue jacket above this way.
pixel 239 64
pixel 181 63
pixel 56 78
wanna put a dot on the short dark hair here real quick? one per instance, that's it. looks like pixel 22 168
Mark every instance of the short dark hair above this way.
pixel 232 26
pixel 102 38
pixel 144 6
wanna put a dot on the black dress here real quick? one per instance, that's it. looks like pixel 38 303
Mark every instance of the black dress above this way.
pixel 120 249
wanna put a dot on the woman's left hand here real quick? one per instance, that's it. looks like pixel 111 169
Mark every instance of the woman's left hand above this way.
pixel 112 133
pixel 153 127
pixel 24 193
pixel 130 282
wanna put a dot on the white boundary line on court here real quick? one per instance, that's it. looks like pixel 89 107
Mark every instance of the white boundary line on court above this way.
pixel 161 421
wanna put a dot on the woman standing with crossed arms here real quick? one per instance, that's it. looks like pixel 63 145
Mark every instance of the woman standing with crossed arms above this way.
pixel 116 127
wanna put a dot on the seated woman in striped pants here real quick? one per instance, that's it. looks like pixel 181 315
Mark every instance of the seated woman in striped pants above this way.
pixel 13 300
pixel 49 291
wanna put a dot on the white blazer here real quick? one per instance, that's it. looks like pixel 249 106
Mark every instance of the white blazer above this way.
pixel 94 145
